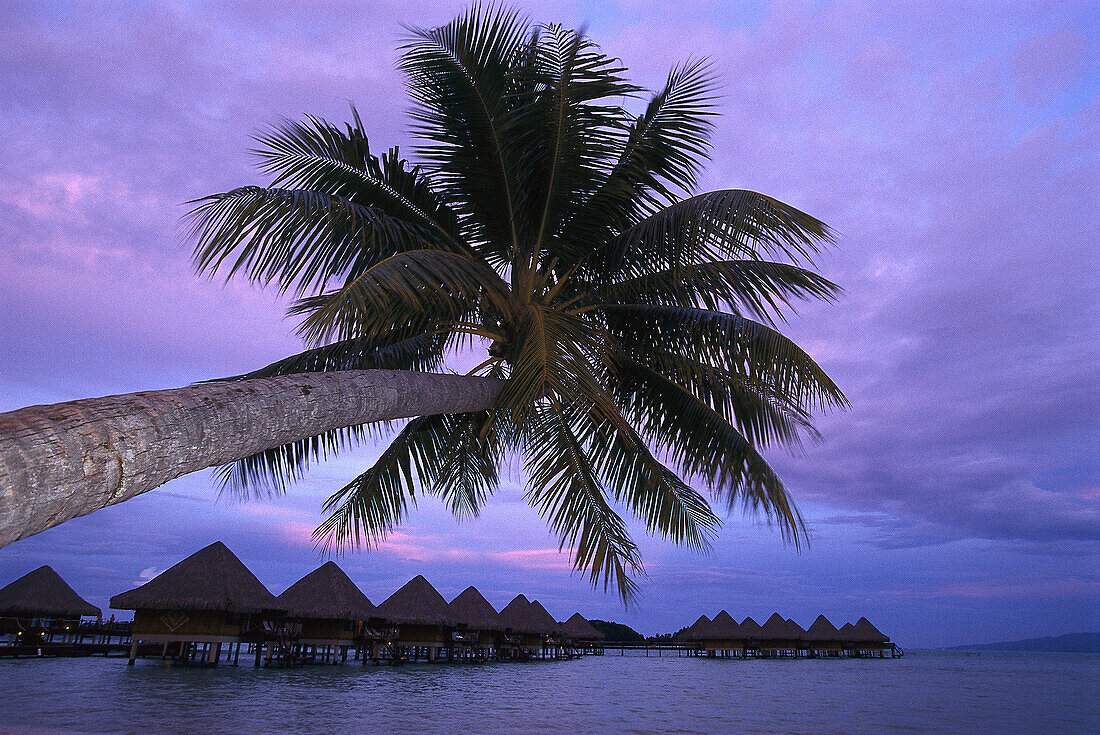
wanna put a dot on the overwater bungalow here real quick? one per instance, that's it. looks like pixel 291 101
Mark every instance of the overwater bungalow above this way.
pixel 40 607
pixel 326 614
pixel 780 637
pixel 722 636
pixel 549 630
pixel 691 633
pixel 522 636
pixel 207 600
pixel 581 636
pixel 867 640
pixel 478 627
pixel 419 621
pixel 823 639
pixel 751 633
pixel 844 634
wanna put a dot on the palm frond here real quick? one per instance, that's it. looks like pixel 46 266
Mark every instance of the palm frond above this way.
pixel 661 153
pixel 567 127
pixel 566 491
pixel 460 74
pixel 298 239
pixel 762 288
pixel 718 225
pixel 732 342
pixel 763 415
pixel 407 288
pixel 314 154
pixel 656 494
pixel 704 445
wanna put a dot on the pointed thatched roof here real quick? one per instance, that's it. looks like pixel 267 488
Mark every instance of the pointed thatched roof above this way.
pixel 472 610
pixel 846 631
pixel 210 579
pixel 822 630
pixel 796 630
pixel 863 631
pixel 417 603
pixel 326 593
pixel 723 628
pixel 43 594
pixel 543 621
pixel 579 628
pixel 774 628
pixel 693 630
pixel 750 629
pixel 516 615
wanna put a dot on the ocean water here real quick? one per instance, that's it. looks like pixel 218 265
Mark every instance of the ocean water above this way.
pixel 922 692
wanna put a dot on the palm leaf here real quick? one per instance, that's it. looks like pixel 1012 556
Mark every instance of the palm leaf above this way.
pixel 418 285
pixel 703 444
pixel 461 76
pixel 564 488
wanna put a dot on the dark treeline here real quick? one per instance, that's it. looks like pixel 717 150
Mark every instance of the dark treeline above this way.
pixel 619 633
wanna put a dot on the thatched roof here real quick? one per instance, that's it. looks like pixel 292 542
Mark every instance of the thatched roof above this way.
pixel 417 603
pixel 845 632
pixel 774 628
pixel 822 630
pixel 326 593
pixel 722 628
pixel 579 628
pixel 796 629
pixel 751 629
pixel 517 615
pixel 43 594
pixel 544 622
pixel 210 579
pixel 472 610
pixel 863 631
pixel 693 630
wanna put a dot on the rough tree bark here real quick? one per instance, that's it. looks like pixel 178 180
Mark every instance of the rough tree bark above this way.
pixel 68 459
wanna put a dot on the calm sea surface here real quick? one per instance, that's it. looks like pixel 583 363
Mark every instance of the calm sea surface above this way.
pixel 922 692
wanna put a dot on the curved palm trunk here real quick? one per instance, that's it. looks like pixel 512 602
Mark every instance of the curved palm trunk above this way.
pixel 68 459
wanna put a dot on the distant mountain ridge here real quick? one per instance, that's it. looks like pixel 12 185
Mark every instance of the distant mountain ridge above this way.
pixel 1069 643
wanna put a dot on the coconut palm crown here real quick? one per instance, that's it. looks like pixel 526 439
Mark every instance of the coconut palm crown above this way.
pixel 632 321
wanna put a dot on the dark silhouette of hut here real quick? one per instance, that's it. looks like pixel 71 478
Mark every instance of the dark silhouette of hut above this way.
pixel 521 630
pixel 867 639
pixel 779 637
pixel 326 612
pixel 548 629
pixel 751 633
pixel 478 627
pixel 209 598
pixel 691 633
pixel 722 636
pixel 580 634
pixel 40 606
pixel 822 638
pixel 421 617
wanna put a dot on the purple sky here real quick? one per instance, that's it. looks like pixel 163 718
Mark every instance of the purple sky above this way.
pixel 954 147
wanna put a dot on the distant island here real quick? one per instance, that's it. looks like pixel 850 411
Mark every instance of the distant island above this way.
pixel 1069 643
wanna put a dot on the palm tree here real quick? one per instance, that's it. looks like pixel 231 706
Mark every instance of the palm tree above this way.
pixel 632 321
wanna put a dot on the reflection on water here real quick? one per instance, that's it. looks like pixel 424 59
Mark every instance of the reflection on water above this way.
pixel 923 692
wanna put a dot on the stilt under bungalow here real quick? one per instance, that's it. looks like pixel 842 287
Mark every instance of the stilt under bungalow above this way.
pixel 207 601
